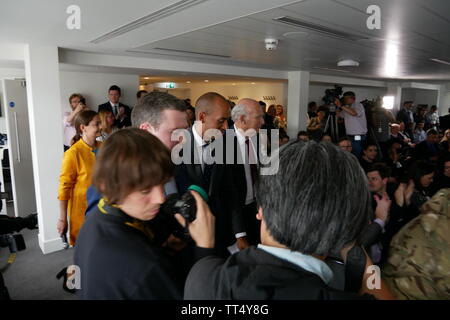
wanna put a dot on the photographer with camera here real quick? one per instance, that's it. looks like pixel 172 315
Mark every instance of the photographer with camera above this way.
pixel 116 249
pixel 77 104
pixel 304 219
pixel 354 117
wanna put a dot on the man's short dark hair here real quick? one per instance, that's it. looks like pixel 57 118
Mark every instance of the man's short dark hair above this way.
pixel 349 94
pixel 407 102
pixel 383 170
pixel 140 93
pixel 318 201
pixel 302 133
pixel 369 143
pixel 344 138
pixel 115 88
pixel 151 106
pixel 312 104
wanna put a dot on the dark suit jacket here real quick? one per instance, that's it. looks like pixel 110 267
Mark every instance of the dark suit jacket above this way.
pixel 403 115
pixel 126 121
pixel 222 195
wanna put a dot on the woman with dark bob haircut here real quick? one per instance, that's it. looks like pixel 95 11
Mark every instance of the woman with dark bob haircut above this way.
pixel 116 251
pixel 315 205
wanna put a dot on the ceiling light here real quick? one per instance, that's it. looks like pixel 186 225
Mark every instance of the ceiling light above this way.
pixel 206 80
pixel 253 83
pixel 188 82
pixel 234 84
pixel 147 78
pixel 348 63
pixel 440 61
pixel 391 60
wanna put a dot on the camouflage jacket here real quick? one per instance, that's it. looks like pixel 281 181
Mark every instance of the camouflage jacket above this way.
pixel 418 266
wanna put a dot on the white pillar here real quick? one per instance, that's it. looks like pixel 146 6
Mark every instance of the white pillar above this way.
pixel 395 89
pixel 43 91
pixel 298 94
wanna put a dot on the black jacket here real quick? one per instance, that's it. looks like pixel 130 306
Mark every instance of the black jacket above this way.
pixel 125 122
pixel 119 261
pixel 254 274
pixel 223 200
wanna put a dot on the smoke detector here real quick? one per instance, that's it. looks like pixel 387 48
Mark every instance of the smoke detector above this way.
pixel 348 63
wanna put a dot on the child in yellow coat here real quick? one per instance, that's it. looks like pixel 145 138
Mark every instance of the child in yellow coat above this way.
pixel 76 174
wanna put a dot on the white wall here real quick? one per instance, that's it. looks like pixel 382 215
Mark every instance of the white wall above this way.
pixel 420 96
pixel 241 90
pixel 317 91
pixel 94 87
pixel 445 99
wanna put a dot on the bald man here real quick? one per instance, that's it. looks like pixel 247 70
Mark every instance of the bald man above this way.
pixel 212 112
pixel 248 118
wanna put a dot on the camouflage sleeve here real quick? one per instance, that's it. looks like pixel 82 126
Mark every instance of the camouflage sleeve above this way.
pixel 418 266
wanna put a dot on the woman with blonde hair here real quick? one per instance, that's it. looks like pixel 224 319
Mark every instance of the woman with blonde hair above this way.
pixel 280 119
pixel 107 126
pixel 76 173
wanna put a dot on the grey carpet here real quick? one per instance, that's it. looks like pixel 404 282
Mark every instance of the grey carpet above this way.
pixel 33 275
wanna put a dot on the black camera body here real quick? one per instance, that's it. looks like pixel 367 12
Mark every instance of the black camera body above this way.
pixel 184 205
pixel 83 101
pixel 331 95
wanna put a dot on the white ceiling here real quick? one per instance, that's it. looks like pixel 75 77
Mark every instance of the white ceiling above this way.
pixel 232 32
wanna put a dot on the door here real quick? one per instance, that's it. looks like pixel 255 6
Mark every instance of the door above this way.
pixel 19 145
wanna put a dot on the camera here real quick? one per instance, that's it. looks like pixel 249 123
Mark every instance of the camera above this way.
pixel 331 95
pixel 184 205
pixel 165 223
pixel 83 101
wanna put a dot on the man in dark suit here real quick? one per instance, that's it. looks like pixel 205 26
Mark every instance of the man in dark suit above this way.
pixel 428 149
pixel 445 121
pixel 405 114
pixel 121 112
pixel 204 165
pixel 248 118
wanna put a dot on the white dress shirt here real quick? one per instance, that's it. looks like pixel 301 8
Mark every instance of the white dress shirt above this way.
pixel 250 197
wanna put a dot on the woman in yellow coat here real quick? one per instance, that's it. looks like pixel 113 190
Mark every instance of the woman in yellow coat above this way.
pixel 76 174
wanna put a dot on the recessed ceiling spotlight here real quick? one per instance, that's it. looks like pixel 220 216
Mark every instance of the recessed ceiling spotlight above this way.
pixel 233 84
pixel 206 80
pixel 348 63
pixel 253 83
pixel 147 78
pixel 188 82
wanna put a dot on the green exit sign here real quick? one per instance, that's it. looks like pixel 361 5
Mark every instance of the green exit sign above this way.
pixel 170 85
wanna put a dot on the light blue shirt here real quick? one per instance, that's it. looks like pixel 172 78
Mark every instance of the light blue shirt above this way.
pixel 307 262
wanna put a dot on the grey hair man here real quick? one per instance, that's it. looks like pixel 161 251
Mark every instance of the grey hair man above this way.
pixel 248 118
pixel 304 218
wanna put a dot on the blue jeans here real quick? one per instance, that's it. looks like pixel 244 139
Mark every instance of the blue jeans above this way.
pixel 357 145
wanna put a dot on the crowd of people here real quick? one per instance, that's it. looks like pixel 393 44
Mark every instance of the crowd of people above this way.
pixel 310 230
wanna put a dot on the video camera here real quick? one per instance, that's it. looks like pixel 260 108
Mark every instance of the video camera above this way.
pixel 331 95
